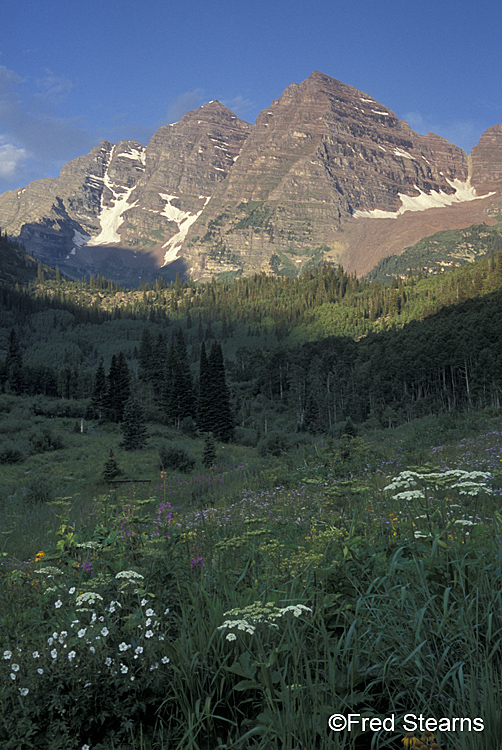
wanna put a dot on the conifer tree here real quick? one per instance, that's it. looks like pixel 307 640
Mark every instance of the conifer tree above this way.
pixel 12 375
pixel 204 393
pixel 183 379
pixel 133 426
pixel 177 396
pixel 166 393
pixel 96 407
pixel 14 355
pixel 145 356
pixel 123 385
pixel 209 452
pixel 118 388
pixel 159 356
pixel 214 411
pixel 109 409
pixel 111 468
pixel 222 409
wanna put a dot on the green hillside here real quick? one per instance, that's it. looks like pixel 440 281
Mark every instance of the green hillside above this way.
pixel 440 251
pixel 301 355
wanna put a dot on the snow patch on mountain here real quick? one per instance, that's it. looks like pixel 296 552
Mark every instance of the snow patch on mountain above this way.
pixel 403 154
pixel 112 215
pixel 79 240
pixel 135 154
pixel 183 219
pixel 436 199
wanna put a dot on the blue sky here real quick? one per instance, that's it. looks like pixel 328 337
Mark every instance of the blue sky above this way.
pixel 74 73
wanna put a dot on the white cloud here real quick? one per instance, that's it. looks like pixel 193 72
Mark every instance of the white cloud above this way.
pixel 8 78
pixel 11 159
pixel 35 141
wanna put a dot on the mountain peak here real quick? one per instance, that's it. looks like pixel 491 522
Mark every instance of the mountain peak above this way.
pixel 213 110
pixel 312 180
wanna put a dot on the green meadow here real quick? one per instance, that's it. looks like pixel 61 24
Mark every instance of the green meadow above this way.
pixel 244 604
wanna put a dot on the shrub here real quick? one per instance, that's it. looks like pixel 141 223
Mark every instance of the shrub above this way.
pixel 42 439
pixel 12 452
pixel 273 444
pixel 39 491
pixel 176 459
pixel 245 436
pixel 19 418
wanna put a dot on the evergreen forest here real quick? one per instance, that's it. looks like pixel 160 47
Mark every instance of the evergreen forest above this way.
pixel 295 355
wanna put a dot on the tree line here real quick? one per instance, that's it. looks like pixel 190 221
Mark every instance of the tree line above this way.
pixel 446 358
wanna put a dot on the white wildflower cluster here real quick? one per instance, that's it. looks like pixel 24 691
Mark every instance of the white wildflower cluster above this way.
pixel 88 598
pixel 91 638
pixel 131 576
pixel 14 669
pixel 49 571
pixel 409 495
pixel 250 617
pixel 418 485
pixel 466 482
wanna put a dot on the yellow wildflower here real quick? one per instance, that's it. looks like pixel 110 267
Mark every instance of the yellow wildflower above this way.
pixel 408 740
pixel 39 555
pixel 427 736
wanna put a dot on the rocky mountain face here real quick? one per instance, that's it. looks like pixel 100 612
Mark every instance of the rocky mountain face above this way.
pixel 326 172
pixel 320 156
pixel 123 210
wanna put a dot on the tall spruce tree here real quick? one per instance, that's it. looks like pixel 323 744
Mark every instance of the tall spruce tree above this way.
pixel 97 404
pixel 204 393
pixel 222 411
pixel 177 395
pixel 166 392
pixel 214 412
pixel 133 426
pixel 123 386
pixel 109 411
pixel 158 363
pixel 183 379
pixel 209 452
pixel 118 388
